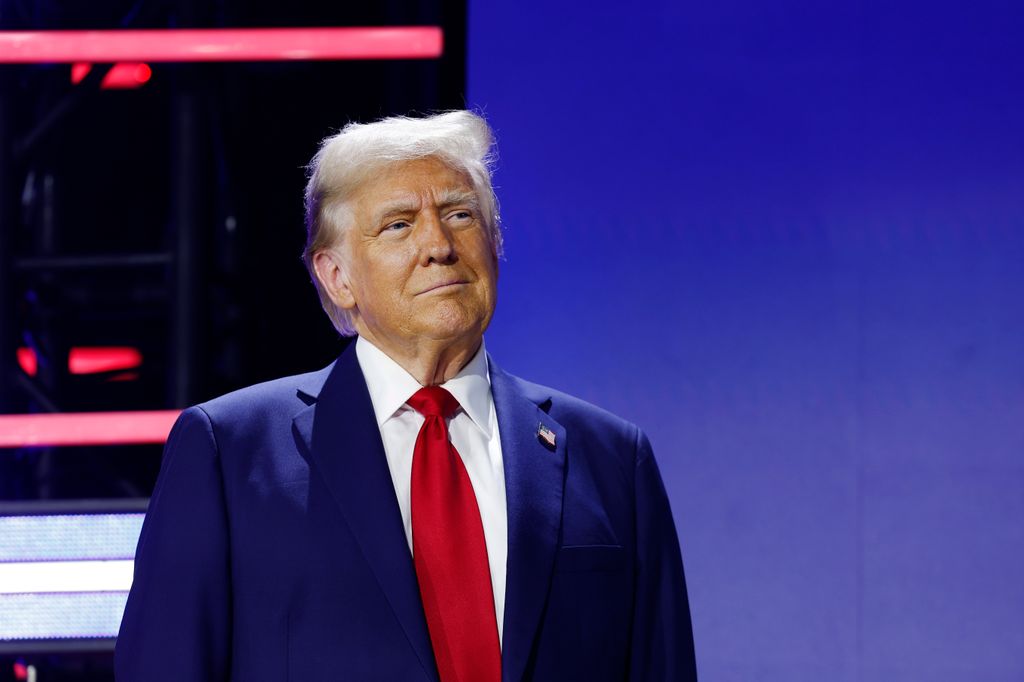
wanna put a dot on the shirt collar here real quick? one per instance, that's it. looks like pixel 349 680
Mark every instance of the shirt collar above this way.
pixel 390 385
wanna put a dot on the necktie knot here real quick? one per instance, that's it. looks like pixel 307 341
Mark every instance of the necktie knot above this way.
pixel 434 401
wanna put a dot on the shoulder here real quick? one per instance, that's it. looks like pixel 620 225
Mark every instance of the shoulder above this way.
pixel 579 416
pixel 268 400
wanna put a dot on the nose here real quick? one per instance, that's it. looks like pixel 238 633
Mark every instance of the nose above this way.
pixel 435 240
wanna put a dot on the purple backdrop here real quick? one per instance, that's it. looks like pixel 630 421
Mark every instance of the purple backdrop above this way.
pixel 788 241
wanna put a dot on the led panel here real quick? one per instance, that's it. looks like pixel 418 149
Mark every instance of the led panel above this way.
pixel 85 615
pixel 68 537
pixel 64 577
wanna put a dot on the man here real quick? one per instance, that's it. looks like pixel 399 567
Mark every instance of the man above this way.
pixel 410 512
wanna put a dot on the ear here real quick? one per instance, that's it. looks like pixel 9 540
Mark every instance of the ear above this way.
pixel 330 270
pixel 494 256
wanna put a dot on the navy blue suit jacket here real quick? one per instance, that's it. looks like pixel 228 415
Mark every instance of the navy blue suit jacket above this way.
pixel 273 548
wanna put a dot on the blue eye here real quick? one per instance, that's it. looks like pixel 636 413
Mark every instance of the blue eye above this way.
pixel 397 225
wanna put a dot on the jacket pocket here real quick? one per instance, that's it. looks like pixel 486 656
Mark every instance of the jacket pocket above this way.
pixel 578 558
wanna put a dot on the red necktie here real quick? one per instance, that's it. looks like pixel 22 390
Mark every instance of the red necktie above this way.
pixel 449 550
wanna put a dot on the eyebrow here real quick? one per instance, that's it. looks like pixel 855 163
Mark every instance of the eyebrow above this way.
pixel 451 197
pixel 396 206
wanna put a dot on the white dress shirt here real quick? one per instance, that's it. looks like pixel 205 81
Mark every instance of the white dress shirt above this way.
pixel 473 431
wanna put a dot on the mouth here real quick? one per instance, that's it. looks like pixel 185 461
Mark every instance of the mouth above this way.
pixel 442 286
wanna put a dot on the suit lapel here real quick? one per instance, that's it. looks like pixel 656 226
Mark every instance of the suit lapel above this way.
pixel 534 481
pixel 341 432
pixel 346 447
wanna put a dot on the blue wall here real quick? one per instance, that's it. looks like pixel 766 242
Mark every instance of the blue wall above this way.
pixel 787 239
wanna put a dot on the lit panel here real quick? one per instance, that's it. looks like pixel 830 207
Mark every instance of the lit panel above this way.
pixel 64 578
pixel 61 616
pixel 38 577
pixel 69 537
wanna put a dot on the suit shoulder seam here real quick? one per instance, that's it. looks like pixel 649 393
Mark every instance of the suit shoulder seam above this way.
pixel 639 456
pixel 212 430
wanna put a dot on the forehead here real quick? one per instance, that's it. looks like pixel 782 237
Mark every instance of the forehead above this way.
pixel 416 177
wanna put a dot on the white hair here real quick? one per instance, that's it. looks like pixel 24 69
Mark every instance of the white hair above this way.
pixel 461 139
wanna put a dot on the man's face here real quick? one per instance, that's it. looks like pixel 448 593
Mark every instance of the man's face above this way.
pixel 418 263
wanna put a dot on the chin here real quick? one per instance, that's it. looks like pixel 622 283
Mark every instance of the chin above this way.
pixel 450 332
pixel 454 324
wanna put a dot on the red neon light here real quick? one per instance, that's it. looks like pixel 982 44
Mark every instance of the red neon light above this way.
pixel 79 70
pixel 85 428
pixel 141 73
pixel 220 45
pixel 123 75
pixel 95 359
pixel 87 359
pixel 27 361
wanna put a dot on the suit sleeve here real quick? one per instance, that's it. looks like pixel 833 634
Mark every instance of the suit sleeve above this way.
pixel 177 623
pixel 662 636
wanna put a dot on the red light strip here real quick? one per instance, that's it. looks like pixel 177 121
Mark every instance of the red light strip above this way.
pixel 28 361
pixel 87 359
pixel 85 428
pixel 122 76
pixel 220 45
pixel 93 359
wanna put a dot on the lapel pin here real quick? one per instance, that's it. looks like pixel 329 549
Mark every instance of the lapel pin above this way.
pixel 546 436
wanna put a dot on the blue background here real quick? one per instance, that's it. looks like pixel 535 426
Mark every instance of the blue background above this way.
pixel 787 239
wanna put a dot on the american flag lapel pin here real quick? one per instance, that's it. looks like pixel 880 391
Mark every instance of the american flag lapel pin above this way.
pixel 546 436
